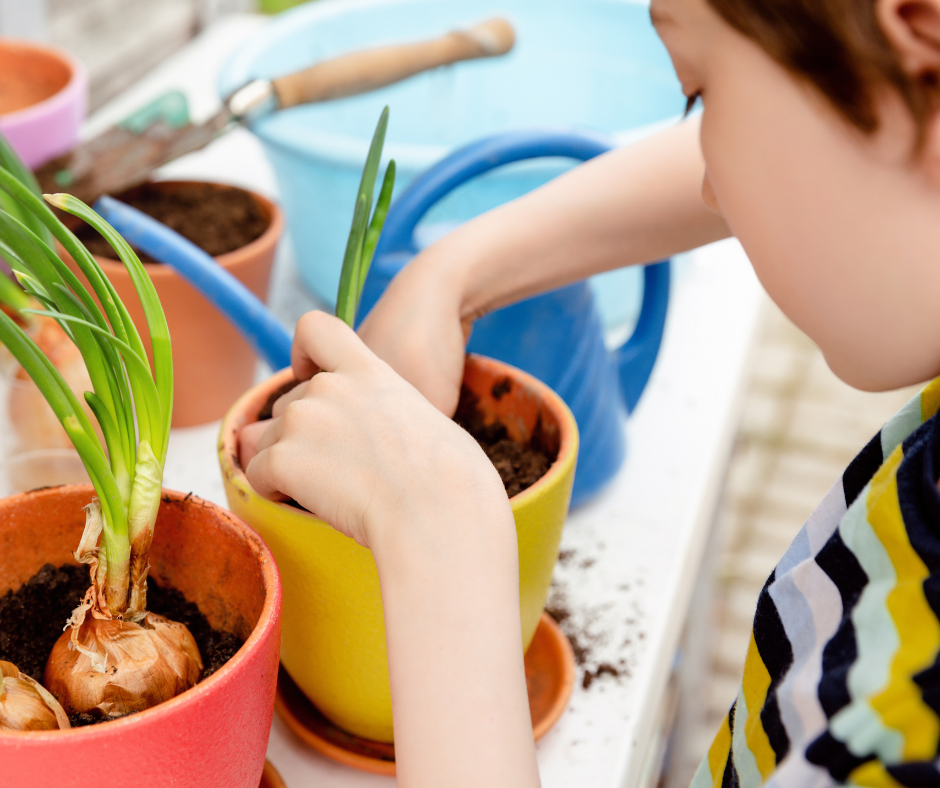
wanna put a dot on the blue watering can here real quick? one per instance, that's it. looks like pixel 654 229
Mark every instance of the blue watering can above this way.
pixel 557 336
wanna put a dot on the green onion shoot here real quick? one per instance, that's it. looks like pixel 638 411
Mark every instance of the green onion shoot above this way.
pixel 365 232
pixel 122 445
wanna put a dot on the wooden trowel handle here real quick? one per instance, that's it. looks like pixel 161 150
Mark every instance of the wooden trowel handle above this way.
pixel 360 72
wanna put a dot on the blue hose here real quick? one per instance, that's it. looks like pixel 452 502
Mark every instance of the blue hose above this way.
pixel 242 307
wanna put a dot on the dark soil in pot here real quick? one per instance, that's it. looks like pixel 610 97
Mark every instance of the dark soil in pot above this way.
pixel 32 617
pixel 218 219
pixel 519 465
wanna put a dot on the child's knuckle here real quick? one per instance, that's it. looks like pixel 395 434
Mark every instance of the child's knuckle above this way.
pixel 294 415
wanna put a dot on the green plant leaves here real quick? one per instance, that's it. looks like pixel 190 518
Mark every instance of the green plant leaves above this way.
pixel 131 402
pixel 11 295
pixel 364 234
pixel 153 311
pixel 375 226
pixel 10 162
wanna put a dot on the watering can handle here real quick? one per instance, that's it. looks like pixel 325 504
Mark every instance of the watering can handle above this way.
pixel 637 356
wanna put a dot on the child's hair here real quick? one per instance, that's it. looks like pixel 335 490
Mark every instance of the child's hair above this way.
pixel 839 47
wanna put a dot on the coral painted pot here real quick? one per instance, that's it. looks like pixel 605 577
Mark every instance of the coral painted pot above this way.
pixel 43 99
pixel 212 735
pixel 334 632
pixel 213 364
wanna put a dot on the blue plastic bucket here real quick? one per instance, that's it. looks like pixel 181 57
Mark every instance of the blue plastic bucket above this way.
pixel 590 64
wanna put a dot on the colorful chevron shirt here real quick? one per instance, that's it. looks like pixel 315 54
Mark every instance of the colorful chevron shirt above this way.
pixel 842 680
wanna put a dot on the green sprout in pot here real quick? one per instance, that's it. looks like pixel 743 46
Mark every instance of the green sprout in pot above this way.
pixel 360 248
pixel 364 235
pixel 115 657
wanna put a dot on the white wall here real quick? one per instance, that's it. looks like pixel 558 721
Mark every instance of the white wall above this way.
pixel 23 18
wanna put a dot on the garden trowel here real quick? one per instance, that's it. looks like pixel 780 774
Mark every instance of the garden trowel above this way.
pixel 126 154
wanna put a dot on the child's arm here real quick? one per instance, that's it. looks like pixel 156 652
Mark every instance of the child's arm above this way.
pixel 633 205
pixel 365 451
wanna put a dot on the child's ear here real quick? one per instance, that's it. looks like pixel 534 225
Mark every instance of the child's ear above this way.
pixel 912 27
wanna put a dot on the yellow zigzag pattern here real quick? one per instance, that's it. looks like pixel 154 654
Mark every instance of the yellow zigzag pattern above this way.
pixel 756 682
pixel 900 704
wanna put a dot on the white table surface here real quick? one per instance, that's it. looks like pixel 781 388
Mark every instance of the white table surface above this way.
pixel 631 556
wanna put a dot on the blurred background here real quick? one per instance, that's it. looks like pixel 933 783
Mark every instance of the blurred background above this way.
pixel 117 40
pixel 800 425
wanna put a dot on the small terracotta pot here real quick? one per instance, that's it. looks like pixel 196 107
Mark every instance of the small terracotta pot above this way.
pixel 215 734
pixel 43 99
pixel 334 633
pixel 213 364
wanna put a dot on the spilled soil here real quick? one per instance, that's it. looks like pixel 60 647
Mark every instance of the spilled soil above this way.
pixel 605 649
pixel 217 219
pixel 31 620
pixel 583 642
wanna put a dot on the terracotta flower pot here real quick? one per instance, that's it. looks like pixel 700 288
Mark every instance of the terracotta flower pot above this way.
pixel 213 365
pixel 215 734
pixel 43 99
pixel 334 633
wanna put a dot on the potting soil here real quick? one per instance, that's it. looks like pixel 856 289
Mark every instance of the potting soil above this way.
pixel 217 219
pixel 31 621
pixel 519 466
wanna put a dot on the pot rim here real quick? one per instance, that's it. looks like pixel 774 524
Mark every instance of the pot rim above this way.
pixel 567 426
pixel 270 236
pixel 77 80
pixel 267 623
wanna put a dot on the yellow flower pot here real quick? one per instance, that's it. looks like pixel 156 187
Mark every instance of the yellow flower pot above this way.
pixel 333 642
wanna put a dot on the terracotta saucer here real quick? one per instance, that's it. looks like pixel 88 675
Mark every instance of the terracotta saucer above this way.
pixel 549 673
pixel 270 778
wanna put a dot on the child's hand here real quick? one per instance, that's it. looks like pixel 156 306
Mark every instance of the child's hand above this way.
pixel 416 327
pixel 364 450
pixel 358 445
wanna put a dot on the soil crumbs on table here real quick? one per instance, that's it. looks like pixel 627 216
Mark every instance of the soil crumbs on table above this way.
pixel 583 643
pixel 519 465
pixel 588 635
pixel 217 219
pixel 32 618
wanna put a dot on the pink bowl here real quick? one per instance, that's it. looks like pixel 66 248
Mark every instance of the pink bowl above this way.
pixel 43 99
pixel 212 736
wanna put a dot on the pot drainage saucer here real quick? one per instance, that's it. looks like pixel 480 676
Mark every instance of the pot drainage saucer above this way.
pixel 549 673
pixel 270 777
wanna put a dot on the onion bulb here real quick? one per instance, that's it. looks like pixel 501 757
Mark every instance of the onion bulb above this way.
pixel 25 705
pixel 109 668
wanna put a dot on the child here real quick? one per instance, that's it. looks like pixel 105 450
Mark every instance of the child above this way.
pixel 821 137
